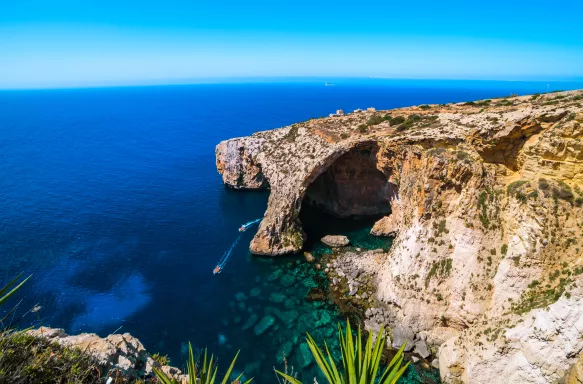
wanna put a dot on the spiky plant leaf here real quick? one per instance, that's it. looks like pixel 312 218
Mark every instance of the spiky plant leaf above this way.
pixel 360 361
pixel 5 296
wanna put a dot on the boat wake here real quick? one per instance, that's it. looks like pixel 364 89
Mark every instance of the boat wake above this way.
pixel 223 261
pixel 246 226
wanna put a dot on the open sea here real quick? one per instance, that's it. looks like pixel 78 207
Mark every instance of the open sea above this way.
pixel 111 199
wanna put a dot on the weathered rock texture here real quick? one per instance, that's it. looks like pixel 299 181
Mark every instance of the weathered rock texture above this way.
pixel 485 205
pixel 117 353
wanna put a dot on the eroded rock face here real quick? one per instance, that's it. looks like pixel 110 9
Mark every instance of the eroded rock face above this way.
pixel 236 162
pixel 121 353
pixel 486 209
pixel 352 186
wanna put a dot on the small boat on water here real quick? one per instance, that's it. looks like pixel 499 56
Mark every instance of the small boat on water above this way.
pixel 242 229
pixel 217 270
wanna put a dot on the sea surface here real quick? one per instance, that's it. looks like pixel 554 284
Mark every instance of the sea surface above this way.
pixel 110 198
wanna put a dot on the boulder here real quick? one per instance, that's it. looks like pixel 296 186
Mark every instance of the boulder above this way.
pixel 402 335
pixel 422 349
pixel 309 257
pixel 335 240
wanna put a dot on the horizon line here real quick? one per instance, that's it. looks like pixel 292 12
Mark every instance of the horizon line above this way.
pixel 215 80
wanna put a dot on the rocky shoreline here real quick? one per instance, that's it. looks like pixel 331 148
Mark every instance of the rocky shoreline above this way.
pixel 352 286
pixel 115 355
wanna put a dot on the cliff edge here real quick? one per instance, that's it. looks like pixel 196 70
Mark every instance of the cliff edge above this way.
pixel 484 200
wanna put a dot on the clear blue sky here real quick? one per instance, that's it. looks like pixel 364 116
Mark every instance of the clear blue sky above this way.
pixel 46 43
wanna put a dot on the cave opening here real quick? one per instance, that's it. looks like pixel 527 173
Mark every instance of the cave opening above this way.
pixel 347 199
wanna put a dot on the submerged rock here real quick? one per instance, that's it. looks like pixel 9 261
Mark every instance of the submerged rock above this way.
pixel 264 324
pixel 287 280
pixel 309 257
pixel 285 351
pixel 255 292
pixel 277 297
pixel 250 321
pixel 240 296
pixel 305 356
pixel 335 240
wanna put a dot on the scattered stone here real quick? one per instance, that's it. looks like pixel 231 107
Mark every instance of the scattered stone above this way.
pixel 414 359
pixel 335 240
pixel 378 250
pixel 422 349
pixel 435 363
pixel 264 324
pixel 402 335
pixel 358 250
pixel 309 257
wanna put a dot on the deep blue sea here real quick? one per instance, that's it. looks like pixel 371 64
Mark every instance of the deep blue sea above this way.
pixel 111 199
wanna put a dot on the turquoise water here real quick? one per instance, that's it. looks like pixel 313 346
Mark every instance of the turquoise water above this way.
pixel 111 199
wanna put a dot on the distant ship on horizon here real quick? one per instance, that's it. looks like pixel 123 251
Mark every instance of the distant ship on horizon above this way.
pixel 329 84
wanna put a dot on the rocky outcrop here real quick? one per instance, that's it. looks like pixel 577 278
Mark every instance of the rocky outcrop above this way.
pixel 335 240
pixel 484 200
pixel 116 354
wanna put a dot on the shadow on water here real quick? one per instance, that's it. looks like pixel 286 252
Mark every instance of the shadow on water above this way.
pixel 317 224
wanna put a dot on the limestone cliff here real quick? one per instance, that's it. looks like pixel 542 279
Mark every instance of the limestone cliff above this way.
pixel 485 202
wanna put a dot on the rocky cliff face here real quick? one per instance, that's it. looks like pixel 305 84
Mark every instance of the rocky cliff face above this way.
pixel 485 202
pixel 117 354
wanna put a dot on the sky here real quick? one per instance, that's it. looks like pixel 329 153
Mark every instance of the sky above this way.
pixel 63 43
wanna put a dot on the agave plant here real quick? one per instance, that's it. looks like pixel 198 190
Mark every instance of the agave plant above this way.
pixel 206 374
pixel 361 363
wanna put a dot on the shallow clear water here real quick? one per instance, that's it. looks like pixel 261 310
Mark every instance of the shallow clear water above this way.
pixel 110 197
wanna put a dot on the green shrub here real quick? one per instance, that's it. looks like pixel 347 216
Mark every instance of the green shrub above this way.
pixel 28 359
pixel 362 128
pixel 374 120
pixel 504 249
pixel 543 184
pixel 361 361
pixel 512 187
pixel 563 192
pixel 397 120
pixel 344 135
pixel 424 107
